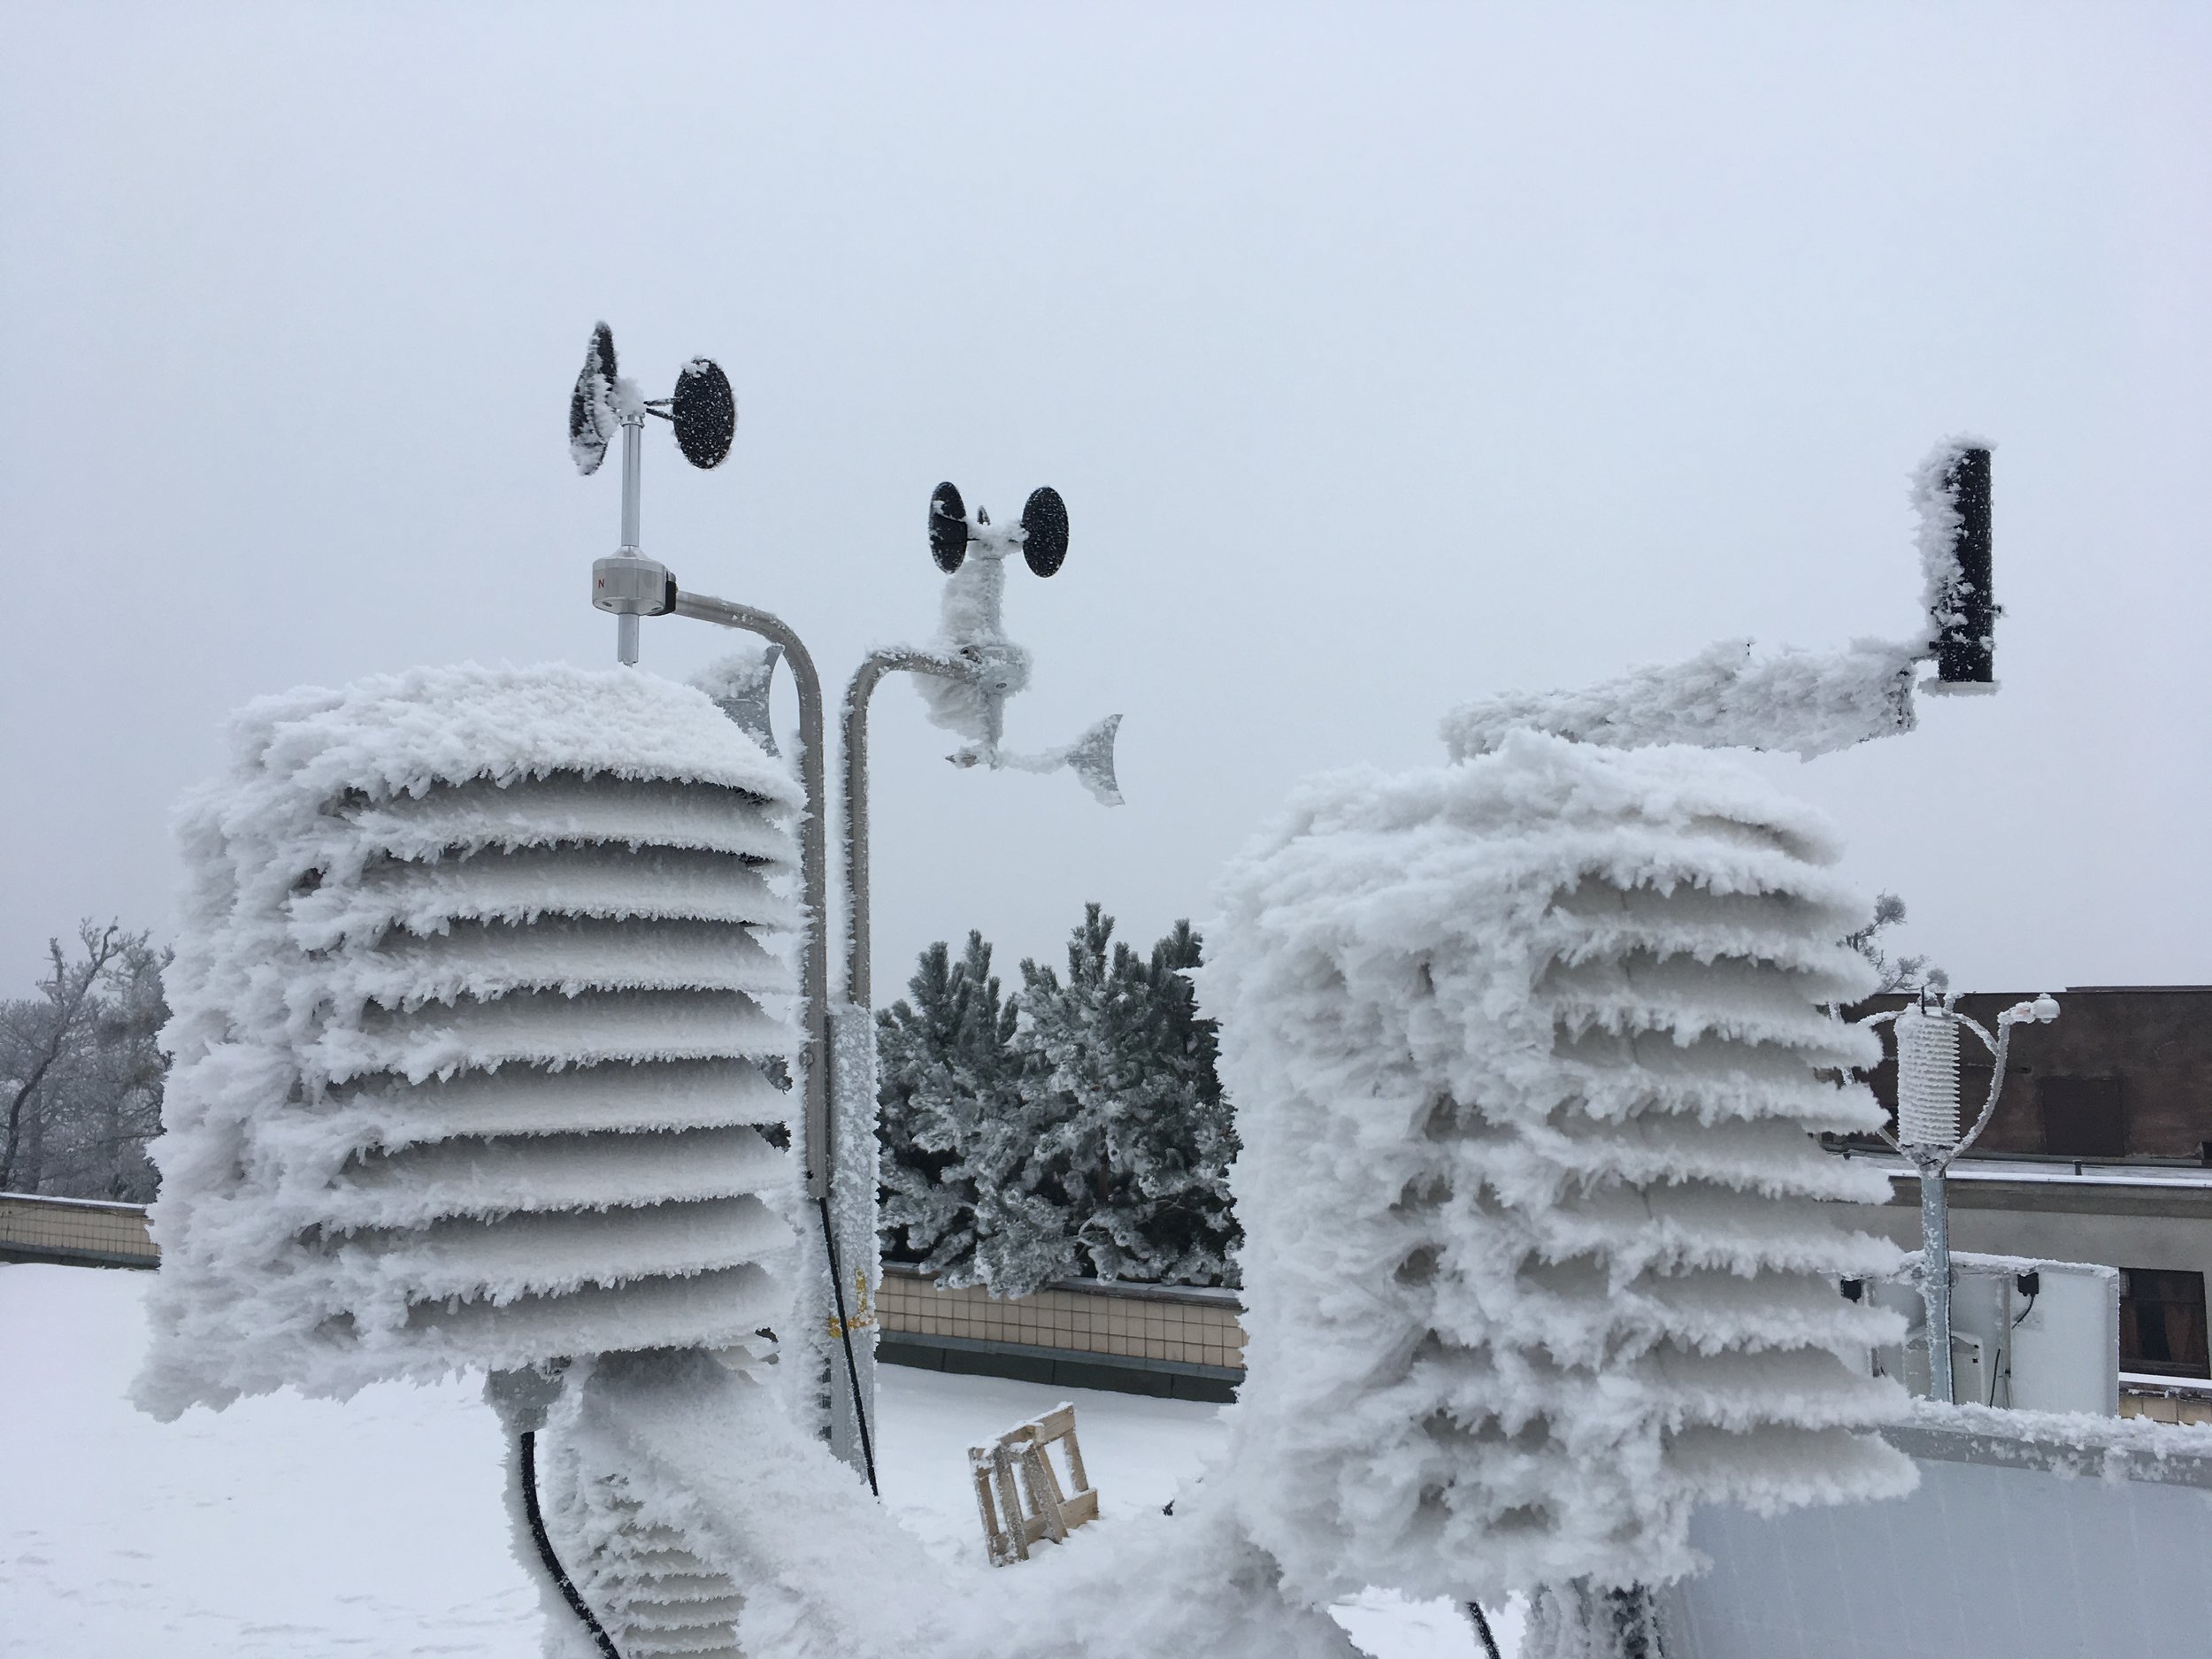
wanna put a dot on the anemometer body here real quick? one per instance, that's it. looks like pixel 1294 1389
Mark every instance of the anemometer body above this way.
pixel 703 411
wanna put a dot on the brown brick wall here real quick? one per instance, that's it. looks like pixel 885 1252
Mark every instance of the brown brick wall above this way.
pixel 2155 1039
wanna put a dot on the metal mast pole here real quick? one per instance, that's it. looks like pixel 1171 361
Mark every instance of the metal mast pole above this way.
pixel 858 975
pixel 1935 1273
pixel 625 647
pixel 855 1208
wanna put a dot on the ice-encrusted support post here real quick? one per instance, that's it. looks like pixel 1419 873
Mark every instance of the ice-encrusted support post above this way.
pixel 1967 616
pixel 626 645
pixel 854 1207
pixel 859 989
pixel 1935 1273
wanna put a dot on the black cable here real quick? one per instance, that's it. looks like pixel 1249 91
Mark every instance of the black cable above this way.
pixel 2022 1280
pixel 845 1334
pixel 569 1591
pixel 1482 1629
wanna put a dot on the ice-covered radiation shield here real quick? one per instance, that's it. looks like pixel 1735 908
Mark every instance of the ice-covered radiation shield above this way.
pixel 703 411
pixel 472 1067
pixel 479 1063
pixel 1814 702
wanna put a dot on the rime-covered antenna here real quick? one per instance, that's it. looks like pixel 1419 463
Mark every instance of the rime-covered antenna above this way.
pixel 703 411
pixel 1952 492
pixel 1812 702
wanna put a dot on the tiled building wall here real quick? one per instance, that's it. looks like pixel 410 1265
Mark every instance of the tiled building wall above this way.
pixel 2166 1405
pixel 1187 1327
pixel 66 1228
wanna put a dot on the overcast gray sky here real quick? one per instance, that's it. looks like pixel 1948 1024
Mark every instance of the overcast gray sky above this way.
pixel 1384 355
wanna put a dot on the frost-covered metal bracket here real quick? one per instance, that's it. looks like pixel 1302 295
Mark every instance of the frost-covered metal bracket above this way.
pixel 813 857
pixel 1808 702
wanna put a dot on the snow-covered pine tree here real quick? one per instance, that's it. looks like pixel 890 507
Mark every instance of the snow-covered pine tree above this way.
pixel 1170 1221
pixel 1115 1163
pixel 1091 1139
pixel 1040 1172
pixel 943 1067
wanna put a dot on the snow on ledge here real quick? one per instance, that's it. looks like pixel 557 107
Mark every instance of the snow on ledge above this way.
pixel 2072 1444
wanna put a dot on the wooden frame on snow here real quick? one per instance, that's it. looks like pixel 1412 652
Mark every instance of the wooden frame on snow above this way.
pixel 1017 1491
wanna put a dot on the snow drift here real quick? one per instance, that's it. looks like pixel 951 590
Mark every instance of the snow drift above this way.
pixel 469 1038
pixel 713 1525
pixel 1529 1051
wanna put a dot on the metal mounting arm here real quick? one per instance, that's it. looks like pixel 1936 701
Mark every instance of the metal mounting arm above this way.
pixel 944 665
pixel 813 866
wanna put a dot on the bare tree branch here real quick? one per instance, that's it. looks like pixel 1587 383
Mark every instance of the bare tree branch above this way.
pixel 67 992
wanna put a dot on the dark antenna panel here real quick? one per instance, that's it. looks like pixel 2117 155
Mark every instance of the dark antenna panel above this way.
pixel 1965 650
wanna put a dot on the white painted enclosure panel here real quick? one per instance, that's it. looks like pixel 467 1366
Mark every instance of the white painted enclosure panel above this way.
pixel 2019 1563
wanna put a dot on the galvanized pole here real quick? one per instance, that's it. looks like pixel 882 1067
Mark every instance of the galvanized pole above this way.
pixel 1935 1271
pixel 855 1207
pixel 625 647
pixel 858 986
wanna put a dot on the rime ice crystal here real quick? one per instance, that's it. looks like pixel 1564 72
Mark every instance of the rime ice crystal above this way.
pixel 1531 1051
pixel 1812 702
pixel 469 1034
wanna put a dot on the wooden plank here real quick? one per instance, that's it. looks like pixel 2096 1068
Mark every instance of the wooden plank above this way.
pixel 1075 1455
pixel 1018 1465
pixel 1010 1501
pixel 1044 1492
pixel 997 1545
pixel 1056 1424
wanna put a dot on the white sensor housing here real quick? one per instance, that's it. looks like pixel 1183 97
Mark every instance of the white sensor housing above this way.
pixel 474 1067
